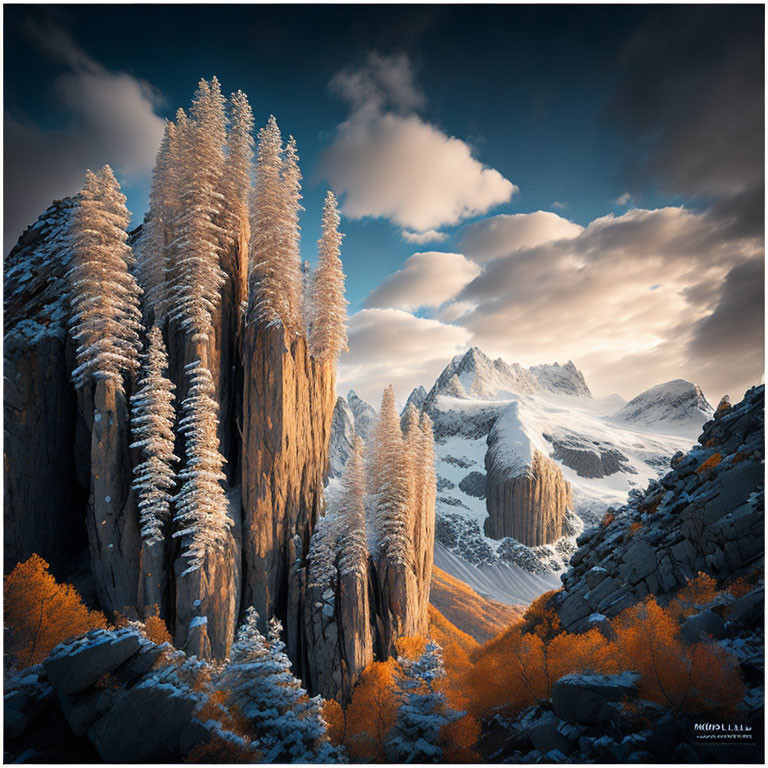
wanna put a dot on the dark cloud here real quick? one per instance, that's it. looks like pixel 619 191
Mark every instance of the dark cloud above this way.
pixel 110 119
pixel 690 98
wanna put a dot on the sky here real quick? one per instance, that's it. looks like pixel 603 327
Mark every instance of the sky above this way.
pixel 548 183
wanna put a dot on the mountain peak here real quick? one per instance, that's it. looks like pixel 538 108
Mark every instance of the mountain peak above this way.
pixel 673 402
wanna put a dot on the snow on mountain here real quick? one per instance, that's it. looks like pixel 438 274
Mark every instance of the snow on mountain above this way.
pixel 417 398
pixel 678 403
pixel 343 431
pixel 364 415
pixel 548 409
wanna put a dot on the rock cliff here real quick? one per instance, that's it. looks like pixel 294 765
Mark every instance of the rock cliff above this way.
pixel 69 470
pixel 706 514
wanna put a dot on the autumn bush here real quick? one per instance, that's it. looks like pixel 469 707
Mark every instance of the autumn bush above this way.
pixel 363 726
pixel 517 668
pixel 217 750
pixel 710 463
pixel 40 613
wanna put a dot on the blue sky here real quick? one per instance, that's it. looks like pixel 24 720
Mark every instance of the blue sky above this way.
pixel 577 107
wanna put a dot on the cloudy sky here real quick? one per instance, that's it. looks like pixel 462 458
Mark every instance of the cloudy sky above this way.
pixel 547 183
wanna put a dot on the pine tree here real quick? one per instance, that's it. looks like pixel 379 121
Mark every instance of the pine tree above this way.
pixel 290 267
pixel 353 546
pixel 105 316
pixel 238 166
pixel 423 711
pixel 328 337
pixel 198 245
pixel 153 418
pixel 201 504
pixel 288 722
pixel 391 484
pixel 152 248
pixel 264 280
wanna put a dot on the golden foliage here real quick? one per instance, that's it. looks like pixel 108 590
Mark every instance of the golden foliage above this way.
pixel 155 627
pixel 40 613
pixel 608 518
pixel 229 716
pixel 697 592
pixel 218 750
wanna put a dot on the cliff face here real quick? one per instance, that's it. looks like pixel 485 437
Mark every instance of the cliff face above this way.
pixel 529 506
pixel 69 474
pixel 284 463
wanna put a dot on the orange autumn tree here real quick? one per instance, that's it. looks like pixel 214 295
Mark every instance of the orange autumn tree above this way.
pixel 40 613
pixel 365 724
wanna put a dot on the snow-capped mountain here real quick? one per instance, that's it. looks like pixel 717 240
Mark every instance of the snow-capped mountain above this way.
pixel 677 403
pixel 510 437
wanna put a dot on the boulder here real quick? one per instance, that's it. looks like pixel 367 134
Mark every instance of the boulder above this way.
pixel 701 625
pixel 76 666
pixel 144 725
pixel 546 736
pixel 583 698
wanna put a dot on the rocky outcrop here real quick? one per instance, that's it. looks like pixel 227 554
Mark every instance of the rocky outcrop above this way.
pixel 43 500
pixel 284 464
pixel 589 459
pixel 123 698
pixel 530 506
pixel 705 515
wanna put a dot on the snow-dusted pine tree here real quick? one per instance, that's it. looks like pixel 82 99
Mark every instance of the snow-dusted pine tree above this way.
pixel 267 209
pixel 390 484
pixel 197 250
pixel 293 283
pixel 201 504
pixel 105 317
pixel 353 543
pixel 238 167
pixel 329 307
pixel 423 710
pixel 275 278
pixel 152 420
pixel 288 722
pixel 157 232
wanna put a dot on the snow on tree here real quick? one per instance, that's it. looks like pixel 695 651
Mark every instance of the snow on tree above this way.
pixel 264 283
pixel 423 710
pixel 105 317
pixel 390 471
pixel 292 277
pixel 152 248
pixel 323 550
pixel 238 167
pixel 196 292
pixel 427 470
pixel 201 504
pixel 152 420
pixel 275 279
pixel 288 722
pixel 328 337
pixel 353 544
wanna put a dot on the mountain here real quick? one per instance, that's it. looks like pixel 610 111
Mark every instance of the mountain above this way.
pixel 364 415
pixel 416 398
pixel 674 403
pixel 484 378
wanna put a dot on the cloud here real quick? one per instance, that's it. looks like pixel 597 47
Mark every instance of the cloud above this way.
pixel 430 236
pixel 690 102
pixel 561 206
pixel 501 235
pixel 425 280
pixel 389 163
pixel 391 346
pixel 589 298
pixel 624 199
pixel 111 119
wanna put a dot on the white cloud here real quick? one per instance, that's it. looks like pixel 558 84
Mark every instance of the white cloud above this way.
pixel 624 199
pixel 625 299
pixel 420 238
pixel 501 235
pixel 426 279
pixel 394 165
pixel 391 346
pixel 111 119
pixel 560 206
